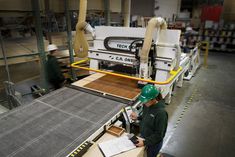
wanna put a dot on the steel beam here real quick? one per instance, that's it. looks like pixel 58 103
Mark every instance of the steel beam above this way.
pixel 107 12
pixel 22 55
pixel 48 17
pixel 69 37
pixel 5 58
pixel 40 42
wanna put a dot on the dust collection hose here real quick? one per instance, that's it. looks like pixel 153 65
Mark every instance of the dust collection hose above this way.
pixel 156 22
pixel 80 43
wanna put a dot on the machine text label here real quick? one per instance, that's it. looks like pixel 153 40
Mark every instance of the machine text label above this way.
pixel 122 46
pixel 125 59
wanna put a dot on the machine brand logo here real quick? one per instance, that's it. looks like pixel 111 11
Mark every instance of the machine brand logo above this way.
pixel 129 60
pixel 119 58
pixel 122 46
pixel 125 59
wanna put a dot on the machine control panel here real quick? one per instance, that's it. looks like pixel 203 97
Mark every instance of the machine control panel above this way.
pixel 127 114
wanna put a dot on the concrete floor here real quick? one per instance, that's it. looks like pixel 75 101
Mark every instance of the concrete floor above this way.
pixel 3 109
pixel 20 72
pixel 201 121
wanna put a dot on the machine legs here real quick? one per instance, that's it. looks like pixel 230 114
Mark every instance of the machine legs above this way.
pixel 94 64
pixel 168 97
pixel 180 81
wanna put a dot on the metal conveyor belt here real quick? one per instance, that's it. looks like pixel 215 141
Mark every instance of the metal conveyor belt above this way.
pixel 55 124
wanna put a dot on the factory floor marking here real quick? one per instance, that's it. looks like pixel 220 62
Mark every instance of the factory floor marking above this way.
pixel 185 108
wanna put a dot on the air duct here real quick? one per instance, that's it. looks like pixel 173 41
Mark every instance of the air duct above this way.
pixel 156 22
pixel 80 43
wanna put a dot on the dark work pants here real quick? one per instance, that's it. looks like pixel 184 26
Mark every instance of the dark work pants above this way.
pixel 153 150
pixel 56 84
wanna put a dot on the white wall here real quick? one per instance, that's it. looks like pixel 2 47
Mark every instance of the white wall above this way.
pixel 95 5
pixel 116 6
pixel 21 5
pixel 167 8
pixel 228 10
pixel 58 5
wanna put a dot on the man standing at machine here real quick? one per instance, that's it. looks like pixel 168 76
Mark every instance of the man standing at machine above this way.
pixel 153 121
pixel 54 74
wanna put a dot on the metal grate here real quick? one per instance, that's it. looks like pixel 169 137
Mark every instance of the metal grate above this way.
pixel 55 124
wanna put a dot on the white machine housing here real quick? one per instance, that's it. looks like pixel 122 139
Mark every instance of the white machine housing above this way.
pixel 195 62
pixel 168 54
pixel 100 53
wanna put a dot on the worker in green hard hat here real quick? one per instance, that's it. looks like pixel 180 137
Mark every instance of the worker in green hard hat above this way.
pixel 153 120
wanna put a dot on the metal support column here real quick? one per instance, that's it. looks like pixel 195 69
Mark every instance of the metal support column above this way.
pixel 127 13
pixel 5 58
pixel 49 21
pixel 40 42
pixel 107 12
pixel 69 35
pixel 7 71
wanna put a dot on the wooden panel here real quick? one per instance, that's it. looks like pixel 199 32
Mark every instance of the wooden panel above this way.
pixel 87 80
pixel 116 86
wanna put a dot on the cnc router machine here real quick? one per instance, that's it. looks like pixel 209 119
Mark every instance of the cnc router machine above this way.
pixel 67 121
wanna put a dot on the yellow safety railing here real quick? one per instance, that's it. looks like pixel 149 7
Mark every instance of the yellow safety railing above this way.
pixel 173 73
pixel 205 45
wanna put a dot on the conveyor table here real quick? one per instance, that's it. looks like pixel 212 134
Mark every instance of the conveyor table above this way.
pixel 54 125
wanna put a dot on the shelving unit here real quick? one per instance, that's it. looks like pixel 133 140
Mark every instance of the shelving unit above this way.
pixel 220 39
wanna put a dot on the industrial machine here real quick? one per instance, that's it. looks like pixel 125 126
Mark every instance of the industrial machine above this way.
pixel 139 54
pixel 148 55
pixel 195 62
pixel 67 121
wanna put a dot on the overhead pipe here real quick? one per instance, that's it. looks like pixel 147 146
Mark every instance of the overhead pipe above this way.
pixel 80 43
pixel 127 12
pixel 156 22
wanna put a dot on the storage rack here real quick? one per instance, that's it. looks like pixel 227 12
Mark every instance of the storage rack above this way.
pixel 220 39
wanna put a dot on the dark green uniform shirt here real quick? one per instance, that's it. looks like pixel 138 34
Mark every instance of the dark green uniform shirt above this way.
pixel 54 73
pixel 153 123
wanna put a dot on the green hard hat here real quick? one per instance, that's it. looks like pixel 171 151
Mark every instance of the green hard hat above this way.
pixel 148 93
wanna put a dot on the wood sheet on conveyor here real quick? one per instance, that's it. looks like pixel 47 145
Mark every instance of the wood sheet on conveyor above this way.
pixel 117 86
pixel 55 124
